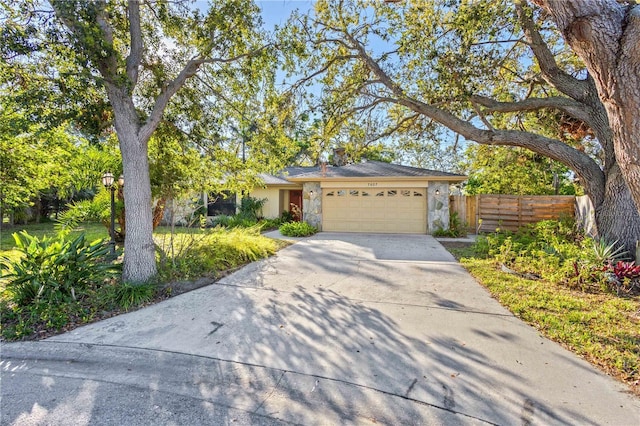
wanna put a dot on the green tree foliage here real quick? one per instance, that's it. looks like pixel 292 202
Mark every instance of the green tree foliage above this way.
pixel 494 72
pixel 40 162
pixel 154 62
pixel 516 171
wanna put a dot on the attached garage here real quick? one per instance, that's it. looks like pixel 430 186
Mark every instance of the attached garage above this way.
pixel 373 196
pixel 384 210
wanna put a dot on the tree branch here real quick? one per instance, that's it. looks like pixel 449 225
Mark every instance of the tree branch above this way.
pixel 481 115
pixel 565 83
pixel 395 128
pixel 322 70
pixel 170 89
pixel 567 105
pixel 135 32
pixel 583 165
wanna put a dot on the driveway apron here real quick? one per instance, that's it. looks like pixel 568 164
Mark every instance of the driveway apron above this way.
pixel 335 329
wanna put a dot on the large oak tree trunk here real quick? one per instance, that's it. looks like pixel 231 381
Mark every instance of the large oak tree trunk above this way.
pixel 617 218
pixel 606 36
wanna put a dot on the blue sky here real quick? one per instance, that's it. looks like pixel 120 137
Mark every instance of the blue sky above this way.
pixel 276 12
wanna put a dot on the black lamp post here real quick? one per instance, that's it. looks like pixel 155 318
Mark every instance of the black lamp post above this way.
pixel 107 181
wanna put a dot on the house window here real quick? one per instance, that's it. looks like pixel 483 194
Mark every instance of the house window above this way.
pixel 330 194
pixel 221 203
pixel 392 193
pixel 380 194
pixel 417 194
pixel 342 193
pixel 365 194
pixel 354 192
pixel 405 193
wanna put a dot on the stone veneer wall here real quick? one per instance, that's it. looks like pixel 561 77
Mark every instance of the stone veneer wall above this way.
pixel 312 204
pixel 438 205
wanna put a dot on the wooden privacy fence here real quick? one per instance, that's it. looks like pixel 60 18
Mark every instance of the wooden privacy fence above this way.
pixel 485 213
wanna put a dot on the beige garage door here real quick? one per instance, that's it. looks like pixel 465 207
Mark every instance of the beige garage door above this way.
pixel 388 210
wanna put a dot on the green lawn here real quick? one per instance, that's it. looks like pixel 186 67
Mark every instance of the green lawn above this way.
pixel 94 231
pixel 600 327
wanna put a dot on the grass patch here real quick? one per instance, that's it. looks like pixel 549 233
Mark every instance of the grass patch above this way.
pixel 599 326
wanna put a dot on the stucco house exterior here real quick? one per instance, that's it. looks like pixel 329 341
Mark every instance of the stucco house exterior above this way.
pixel 370 196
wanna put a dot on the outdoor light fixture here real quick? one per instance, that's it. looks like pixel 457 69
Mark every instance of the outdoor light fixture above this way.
pixel 107 181
pixel 437 192
pixel 121 181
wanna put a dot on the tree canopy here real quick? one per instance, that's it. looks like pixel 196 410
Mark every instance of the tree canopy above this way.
pixel 153 63
pixel 494 72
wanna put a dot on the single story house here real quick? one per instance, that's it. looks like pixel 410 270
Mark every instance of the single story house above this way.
pixel 370 196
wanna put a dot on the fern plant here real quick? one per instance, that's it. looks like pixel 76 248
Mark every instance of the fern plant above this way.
pixel 96 210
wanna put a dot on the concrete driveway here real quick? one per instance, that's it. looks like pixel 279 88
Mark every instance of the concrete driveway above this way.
pixel 336 329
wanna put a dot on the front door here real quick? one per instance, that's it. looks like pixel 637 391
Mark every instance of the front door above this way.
pixel 295 204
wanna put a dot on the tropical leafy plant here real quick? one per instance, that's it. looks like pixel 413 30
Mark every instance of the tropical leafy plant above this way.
pixel 456 228
pixel 54 269
pixel 628 270
pixel 251 208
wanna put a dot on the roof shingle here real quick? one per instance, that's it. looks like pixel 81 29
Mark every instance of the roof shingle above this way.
pixel 375 169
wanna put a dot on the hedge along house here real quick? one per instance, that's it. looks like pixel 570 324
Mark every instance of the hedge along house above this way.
pixel 370 196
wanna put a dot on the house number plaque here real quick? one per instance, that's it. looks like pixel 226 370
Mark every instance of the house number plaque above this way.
pixel 372 184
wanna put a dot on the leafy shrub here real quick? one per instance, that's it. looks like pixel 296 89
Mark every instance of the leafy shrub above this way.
pixel 54 281
pixel 287 216
pixel 251 208
pixel 456 228
pixel 55 270
pixel 267 224
pixel 554 251
pixel 236 221
pixel 297 229
pixel 626 270
pixel 622 277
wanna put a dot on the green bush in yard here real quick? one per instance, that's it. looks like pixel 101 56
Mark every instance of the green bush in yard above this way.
pixel 127 295
pixel 297 229
pixel 235 221
pixel 456 228
pixel 52 282
pixel 55 269
pixel 553 251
